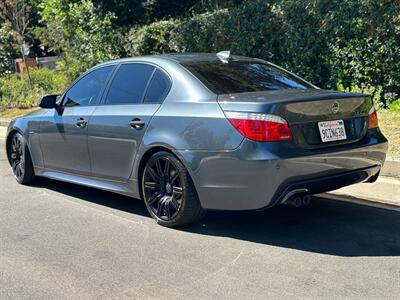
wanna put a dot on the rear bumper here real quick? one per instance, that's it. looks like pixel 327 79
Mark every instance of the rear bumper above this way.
pixel 325 183
pixel 259 175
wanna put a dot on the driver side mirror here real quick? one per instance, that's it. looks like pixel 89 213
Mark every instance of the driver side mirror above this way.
pixel 48 101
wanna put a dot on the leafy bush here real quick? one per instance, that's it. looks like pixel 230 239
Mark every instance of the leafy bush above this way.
pixel 365 48
pixel 395 105
pixel 16 92
pixel 240 30
pixel 351 45
pixel 256 28
pixel 151 39
pixel 317 39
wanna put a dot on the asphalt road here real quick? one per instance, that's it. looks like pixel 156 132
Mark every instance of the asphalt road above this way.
pixel 60 241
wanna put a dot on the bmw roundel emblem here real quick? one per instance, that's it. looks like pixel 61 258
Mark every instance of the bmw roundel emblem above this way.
pixel 335 107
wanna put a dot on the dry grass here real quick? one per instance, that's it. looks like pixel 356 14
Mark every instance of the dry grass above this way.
pixel 389 122
pixel 16 112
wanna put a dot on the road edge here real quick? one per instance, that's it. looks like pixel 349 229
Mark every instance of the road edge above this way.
pixel 368 202
pixel 391 167
pixel 4 122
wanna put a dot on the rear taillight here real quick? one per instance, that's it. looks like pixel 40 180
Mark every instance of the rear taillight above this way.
pixel 260 127
pixel 372 118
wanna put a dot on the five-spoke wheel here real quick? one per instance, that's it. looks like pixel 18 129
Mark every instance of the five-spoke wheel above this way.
pixel 168 191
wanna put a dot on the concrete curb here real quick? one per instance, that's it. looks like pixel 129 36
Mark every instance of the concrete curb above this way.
pixel 4 122
pixel 391 168
pixel 359 201
pixel 385 191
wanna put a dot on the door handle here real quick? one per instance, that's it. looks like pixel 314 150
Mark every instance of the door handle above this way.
pixel 136 123
pixel 81 122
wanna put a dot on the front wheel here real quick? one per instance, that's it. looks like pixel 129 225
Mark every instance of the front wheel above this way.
pixel 168 191
pixel 20 160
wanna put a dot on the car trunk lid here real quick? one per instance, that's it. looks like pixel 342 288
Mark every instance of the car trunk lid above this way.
pixel 305 109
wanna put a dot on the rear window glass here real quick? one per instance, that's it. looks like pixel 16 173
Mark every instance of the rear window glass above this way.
pixel 244 76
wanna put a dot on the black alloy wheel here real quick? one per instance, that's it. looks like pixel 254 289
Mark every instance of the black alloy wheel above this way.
pixel 20 160
pixel 163 188
pixel 168 191
pixel 17 157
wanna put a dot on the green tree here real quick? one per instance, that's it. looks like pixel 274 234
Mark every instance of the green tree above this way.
pixel 154 38
pixel 141 12
pixel 125 12
pixel 79 32
pixel 16 17
pixel 7 50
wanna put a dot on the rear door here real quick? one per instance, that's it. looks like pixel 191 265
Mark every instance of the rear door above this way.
pixel 117 126
pixel 63 130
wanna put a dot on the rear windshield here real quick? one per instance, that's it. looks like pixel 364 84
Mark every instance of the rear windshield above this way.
pixel 244 76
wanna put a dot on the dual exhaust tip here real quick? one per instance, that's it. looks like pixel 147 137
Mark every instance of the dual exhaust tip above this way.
pixel 297 198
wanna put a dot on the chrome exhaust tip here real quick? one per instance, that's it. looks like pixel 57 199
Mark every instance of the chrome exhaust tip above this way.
pixel 295 197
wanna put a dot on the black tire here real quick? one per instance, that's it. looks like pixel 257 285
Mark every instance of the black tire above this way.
pixel 20 160
pixel 168 191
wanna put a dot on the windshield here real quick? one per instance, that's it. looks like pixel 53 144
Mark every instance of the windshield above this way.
pixel 244 76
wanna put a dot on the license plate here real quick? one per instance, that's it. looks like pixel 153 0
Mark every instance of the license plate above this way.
pixel 332 130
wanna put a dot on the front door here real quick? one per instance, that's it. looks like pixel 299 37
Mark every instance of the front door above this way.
pixel 63 130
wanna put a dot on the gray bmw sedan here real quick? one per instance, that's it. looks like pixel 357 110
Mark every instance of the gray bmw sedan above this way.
pixel 192 132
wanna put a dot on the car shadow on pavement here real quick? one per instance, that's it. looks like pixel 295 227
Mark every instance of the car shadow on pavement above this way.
pixel 326 226
pixel 96 196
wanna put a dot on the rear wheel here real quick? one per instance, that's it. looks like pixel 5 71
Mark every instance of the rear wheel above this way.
pixel 168 191
pixel 20 159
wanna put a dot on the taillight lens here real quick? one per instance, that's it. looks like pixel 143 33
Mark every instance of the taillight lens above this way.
pixel 372 118
pixel 260 127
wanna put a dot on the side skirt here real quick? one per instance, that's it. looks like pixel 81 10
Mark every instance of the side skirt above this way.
pixel 128 188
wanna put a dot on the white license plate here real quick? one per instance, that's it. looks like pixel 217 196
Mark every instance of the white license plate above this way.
pixel 332 130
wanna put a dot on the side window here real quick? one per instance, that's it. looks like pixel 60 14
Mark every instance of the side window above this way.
pixel 158 88
pixel 87 90
pixel 129 84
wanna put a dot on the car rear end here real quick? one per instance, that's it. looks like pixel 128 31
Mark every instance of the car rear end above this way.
pixel 296 138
